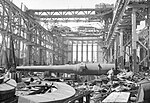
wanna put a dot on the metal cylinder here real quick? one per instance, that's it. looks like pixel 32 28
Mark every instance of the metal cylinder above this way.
pixel 81 69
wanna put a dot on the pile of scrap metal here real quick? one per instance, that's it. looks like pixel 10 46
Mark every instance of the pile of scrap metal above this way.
pixel 43 91
pixel 7 89
pixel 137 84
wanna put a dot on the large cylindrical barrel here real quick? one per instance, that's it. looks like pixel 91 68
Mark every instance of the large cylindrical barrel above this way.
pixel 81 69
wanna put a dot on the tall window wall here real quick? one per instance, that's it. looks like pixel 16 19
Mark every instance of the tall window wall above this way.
pixel 83 52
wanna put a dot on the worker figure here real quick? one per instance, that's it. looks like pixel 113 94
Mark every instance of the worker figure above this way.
pixel 110 74
pixel 97 88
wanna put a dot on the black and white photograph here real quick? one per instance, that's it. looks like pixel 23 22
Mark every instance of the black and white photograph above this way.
pixel 74 51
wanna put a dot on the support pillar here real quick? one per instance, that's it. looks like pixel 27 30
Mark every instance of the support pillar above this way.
pixel 107 54
pixel 134 41
pixel 142 54
pixel 98 53
pixel 116 51
pixel 115 54
pixel 148 22
pixel 77 52
pixel 71 51
pixel 19 40
pixel 124 56
pixel 54 60
pixel 121 50
pixel 92 53
pixel 54 56
pixel 110 55
pixel 29 51
pixel 82 51
pixel 130 59
pixel 40 56
pixel 66 54
pixel 40 50
pixel 87 60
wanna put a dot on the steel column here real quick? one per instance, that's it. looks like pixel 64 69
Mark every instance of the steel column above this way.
pixel 54 59
pixel 134 42
pixel 107 56
pixel 116 51
pixel 77 52
pixel 40 50
pixel 19 35
pixel 71 52
pixel 29 49
pixel 67 53
pixel 81 51
pixel 98 52
pixel 87 60
pixel 142 54
pixel 130 50
pixel 110 55
pixel 121 49
pixel 148 16
pixel 40 55
pixel 124 56
pixel 92 53
pixel 115 54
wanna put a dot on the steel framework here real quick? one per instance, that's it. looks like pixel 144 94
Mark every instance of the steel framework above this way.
pixel 32 42
pixel 71 15
pixel 123 38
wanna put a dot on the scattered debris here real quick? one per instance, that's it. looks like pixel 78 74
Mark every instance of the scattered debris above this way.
pixel 137 84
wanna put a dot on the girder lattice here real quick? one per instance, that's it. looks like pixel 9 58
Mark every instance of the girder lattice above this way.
pixel 31 39
pixel 71 15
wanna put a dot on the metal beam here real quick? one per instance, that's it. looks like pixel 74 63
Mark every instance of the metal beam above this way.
pixel 77 52
pixel 82 51
pixel 87 59
pixel 84 39
pixel 134 41
pixel 81 36
pixel 121 49
pixel 19 24
pixel 65 16
pixel 64 20
pixel 120 8
pixel 55 15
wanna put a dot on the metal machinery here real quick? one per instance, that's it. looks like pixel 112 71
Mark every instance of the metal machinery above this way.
pixel 7 90
pixel 53 93
pixel 81 69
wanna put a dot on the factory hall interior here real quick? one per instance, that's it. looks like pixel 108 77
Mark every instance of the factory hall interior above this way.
pixel 75 55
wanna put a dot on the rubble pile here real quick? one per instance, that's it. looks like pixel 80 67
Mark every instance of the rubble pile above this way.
pixel 137 84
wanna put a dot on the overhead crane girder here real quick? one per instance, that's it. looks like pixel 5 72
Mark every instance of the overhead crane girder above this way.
pixel 67 15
